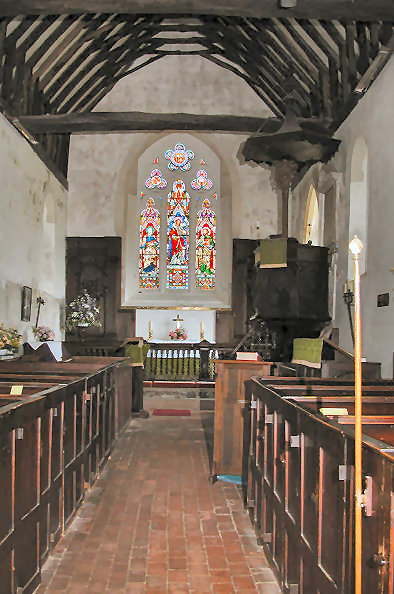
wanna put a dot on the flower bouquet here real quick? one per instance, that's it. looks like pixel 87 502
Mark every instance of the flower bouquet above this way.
pixel 43 333
pixel 178 334
pixel 82 312
pixel 9 339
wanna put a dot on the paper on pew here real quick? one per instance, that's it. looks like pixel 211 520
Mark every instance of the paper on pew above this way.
pixel 337 412
pixel 16 390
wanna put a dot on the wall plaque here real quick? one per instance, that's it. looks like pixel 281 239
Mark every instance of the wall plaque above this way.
pixel 383 299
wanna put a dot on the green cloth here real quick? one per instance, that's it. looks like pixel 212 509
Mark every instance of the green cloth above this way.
pixel 273 253
pixel 307 351
pixel 137 354
pixel 174 368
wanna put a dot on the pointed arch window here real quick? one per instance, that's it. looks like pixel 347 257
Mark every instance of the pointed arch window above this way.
pixel 206 247
pixel 178 207
pixel 311 224
pixel 149 260
pixel 177 235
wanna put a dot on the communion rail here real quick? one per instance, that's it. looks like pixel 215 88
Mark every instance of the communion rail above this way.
pixel 170 361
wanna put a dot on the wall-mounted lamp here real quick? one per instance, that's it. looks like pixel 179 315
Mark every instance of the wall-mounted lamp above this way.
pixel 348 297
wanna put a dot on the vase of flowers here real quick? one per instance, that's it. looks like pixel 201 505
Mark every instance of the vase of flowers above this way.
pixel 178 334
pixel 43 334
pixel 10 340
pixel 82 312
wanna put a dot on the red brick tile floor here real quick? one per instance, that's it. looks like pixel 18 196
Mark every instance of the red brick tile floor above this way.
pixel 153 523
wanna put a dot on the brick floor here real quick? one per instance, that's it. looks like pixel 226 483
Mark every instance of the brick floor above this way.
pixel 153 523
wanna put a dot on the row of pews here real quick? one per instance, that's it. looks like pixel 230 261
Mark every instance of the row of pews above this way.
pixel 58 422
pixel 298 481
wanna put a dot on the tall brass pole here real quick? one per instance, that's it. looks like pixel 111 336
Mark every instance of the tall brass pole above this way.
pixel 355 247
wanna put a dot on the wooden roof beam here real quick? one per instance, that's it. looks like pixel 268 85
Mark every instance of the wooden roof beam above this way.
pixel 99 122
pixel 364 10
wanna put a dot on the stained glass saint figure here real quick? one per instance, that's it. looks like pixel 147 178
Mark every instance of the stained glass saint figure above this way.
pixel 178 206
pixel 149 246
pixel 206 247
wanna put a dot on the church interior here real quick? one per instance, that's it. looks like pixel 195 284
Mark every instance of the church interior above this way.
pixel 197 296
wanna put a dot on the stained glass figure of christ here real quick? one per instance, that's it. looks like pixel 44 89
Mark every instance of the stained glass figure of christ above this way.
pixel 178 207
pixel 149 246
pixel 206 247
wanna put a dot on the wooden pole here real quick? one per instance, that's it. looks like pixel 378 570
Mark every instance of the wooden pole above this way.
pixel 285 209
pixel 355 247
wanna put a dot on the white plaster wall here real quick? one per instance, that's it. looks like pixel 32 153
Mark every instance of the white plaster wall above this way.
pixel 33 250
pixel 373 119
pixel 187 84
pixel 163 322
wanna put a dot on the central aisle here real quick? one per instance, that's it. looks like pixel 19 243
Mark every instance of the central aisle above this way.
pixel 153 522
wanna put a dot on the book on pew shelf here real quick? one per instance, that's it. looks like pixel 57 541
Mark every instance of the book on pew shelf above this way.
pixel 334 412
pixel 248 356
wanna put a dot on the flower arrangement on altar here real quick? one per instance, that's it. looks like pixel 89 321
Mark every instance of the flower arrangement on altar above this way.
pixel 82 312
pixel 43 333
pixel 178 334
pixel 10 339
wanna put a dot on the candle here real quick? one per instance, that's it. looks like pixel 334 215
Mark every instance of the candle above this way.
pixel 150 329
pixel 201 330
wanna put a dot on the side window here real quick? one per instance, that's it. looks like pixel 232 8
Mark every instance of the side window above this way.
pixel 311 223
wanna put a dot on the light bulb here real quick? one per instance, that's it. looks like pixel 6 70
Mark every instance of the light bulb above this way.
pixel 356 246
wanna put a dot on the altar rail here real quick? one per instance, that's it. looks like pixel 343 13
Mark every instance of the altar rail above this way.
pixel 54 438
pixel 299 472
pixel 170 361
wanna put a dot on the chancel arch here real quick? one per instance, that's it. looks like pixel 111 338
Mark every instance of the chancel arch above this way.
pixel 177 228
pixel 358 204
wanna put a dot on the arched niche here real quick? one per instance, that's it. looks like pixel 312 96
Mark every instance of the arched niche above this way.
pixel 358 200
pixel 133 174
pixel 311 221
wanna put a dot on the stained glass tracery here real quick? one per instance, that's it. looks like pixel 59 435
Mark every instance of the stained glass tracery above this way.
pixel 178 207
pixel 206 247
pixel 149 261
pixel 201 181
pixel 179 157
pixel 156 180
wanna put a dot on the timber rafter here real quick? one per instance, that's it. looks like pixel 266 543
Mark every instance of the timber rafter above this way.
pixel 66 63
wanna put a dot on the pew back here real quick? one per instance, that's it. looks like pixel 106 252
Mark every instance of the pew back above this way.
pixel 300 482
pixel 54 438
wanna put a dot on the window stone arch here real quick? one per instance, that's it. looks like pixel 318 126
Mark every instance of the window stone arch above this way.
pixel 156 175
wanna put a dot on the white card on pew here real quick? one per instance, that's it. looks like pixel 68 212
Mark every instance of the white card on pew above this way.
pixel 333 412
pixel 16 390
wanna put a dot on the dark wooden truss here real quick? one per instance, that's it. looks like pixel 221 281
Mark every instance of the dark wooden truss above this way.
pixel 66 63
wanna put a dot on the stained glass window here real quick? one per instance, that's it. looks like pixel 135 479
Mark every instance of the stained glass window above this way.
pixel 149 246
pixel 206 247
pixel 201 181
pixel 179 157
pixel 178 206
pixel 156 180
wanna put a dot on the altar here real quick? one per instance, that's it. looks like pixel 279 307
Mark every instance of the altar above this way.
pixel 155 325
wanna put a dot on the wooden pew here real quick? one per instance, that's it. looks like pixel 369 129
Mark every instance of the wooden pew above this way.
pixel 300 485
pixel 54 438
